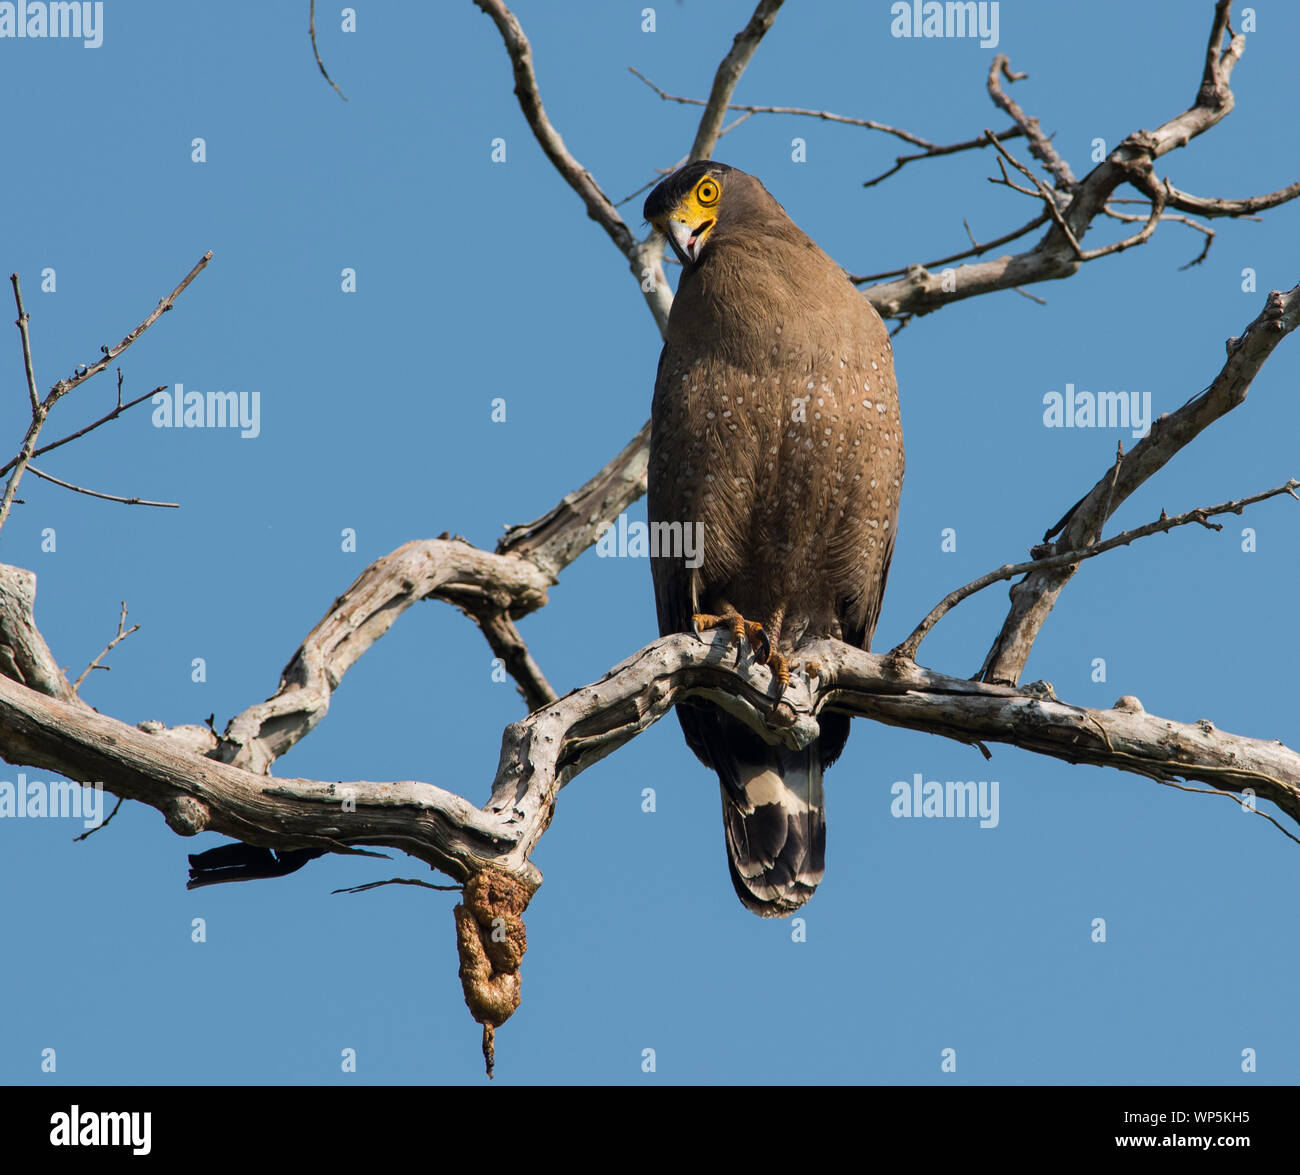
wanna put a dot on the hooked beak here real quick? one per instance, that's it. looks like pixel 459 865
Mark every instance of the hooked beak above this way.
pixel 685 240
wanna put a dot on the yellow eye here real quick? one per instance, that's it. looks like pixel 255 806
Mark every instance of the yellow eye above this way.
pixel 707 192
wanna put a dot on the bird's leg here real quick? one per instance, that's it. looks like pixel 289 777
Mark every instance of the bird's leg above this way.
pixel 775 660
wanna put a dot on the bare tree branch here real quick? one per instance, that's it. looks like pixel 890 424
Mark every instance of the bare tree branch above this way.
pixel 122 633
pixel 823 115
pixel 195 793
pixel 975 251
pixel 94 424
pixel 936 151
pixel 1204 229
pixel 643 257
pixel 1040 146
pixel 1078 202
pixel 743 47
pixel 108 354
pixel 41 408
pixel 423 569
pixel 917 290
pixel 504 639
pixel 24 655
pixel 1070 559
pixel 1201 206
pixel 1034 596
pixel 559 536
pixel 1048 197
pixel 928 150
pixel 549 748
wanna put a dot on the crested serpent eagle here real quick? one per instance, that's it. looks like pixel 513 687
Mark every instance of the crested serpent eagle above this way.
pixel 776 435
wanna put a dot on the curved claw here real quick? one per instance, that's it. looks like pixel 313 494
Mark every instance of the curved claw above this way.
pixel 755 633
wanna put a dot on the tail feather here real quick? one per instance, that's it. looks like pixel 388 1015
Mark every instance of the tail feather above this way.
pixel 773 810
pixel 775 823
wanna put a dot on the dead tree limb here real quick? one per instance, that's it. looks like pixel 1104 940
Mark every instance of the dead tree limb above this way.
pixel 646 268
pixel 1071 209
pixel 1034 596
pixel 1071 559
pixel 1077 203
pixel 548 749
pixel 40 408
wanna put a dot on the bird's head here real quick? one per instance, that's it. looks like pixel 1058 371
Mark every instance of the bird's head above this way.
pixel 688 206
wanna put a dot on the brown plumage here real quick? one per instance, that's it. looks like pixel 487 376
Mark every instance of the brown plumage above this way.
pixel 775 429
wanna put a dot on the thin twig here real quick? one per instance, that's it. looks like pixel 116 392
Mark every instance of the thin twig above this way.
pixel 1033 598
pixel 108 354
pixel 311 28
pixel 81 432
pixel 974 252
pixel 102 824
pixel 21 323
pixel 19 464
pixel 928 150
pixel 824 115
pixel 1187 220
pixel 935 151
pixel 1006 182
pixel 1205 791
pixel 39 411
pixel 1164 523
pixel 122 633
pixel 397 881
pixel 1043 191
pixel 67 485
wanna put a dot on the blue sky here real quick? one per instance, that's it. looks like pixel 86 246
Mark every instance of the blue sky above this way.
pixel 477 280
